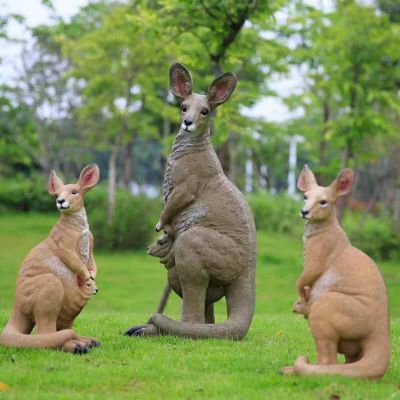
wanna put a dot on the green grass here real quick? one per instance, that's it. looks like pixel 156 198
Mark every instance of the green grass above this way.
pixel 167 367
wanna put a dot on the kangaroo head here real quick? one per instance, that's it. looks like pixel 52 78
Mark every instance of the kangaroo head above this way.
pixel 319 201
pixel 299 305
pixel 197 109
pixel 161 247
pixel 69 198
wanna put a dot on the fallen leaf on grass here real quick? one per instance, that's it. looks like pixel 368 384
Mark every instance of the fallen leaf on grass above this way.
pixel 279 333
pixel 3 387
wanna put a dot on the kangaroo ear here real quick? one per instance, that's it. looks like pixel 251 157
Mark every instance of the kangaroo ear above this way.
pixel 306 179
pixel 343 182
pixel 89 177
pixel 221 88
pixel 180 81
pixel 54 183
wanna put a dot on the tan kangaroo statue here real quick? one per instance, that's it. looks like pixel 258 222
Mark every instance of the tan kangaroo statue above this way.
pixel 213 228
pixel 56 278
pixel 348 304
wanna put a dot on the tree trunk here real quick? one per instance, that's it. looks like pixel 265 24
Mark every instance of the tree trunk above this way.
pixel 222 150
pixel 166 130
pixel 223 155
pixel 112 179
pixel 396 210
pixel 347 154
pixel 233 167
pixel 127 164
pixel 326 116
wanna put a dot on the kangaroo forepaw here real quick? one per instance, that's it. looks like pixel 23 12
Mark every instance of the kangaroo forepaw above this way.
pixel 142 330
pixel 159 226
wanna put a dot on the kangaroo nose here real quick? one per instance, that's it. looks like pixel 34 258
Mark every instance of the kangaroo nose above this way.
pixel 188 122
pixel 97 291
pixel 304 212
pixel 60 201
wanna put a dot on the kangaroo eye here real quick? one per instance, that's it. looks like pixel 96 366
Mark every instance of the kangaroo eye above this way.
pixel 74 192
pixel 305 197
pixel 323 202
pixel 204 111
pixel 183 108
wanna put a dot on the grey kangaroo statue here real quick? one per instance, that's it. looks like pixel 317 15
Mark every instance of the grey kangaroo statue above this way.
pixel 213 228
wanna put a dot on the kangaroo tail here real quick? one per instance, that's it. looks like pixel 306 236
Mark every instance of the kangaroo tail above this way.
pixel 240 303
pixel 372 365
pixel 164 299
pixel 230 329
pixel 11 338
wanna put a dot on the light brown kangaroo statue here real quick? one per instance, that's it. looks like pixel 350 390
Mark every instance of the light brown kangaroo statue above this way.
pixel 213 228
pixel 56 278
pixel 347 302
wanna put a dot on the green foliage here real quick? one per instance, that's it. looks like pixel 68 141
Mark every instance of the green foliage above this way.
pixel 375 236
pixel 133 224
pixel 25 194
pixel 132 227
pixel 277 213
pixel 125 80
pixel 351 102
pixel 17 138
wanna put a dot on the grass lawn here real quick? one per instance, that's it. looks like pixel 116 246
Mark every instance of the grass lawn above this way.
pixel 168 367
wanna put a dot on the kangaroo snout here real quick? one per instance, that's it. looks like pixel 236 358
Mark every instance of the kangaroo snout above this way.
pixel 188 125
pixel 304 212
pixel 62 204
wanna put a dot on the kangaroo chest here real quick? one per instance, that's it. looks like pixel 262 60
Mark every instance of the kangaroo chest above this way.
pixel 81 225
pixel 84 245
pixel 77 229
pixel 184 144
pixel 320 254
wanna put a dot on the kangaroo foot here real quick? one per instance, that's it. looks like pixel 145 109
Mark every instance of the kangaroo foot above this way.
pixel 300 362
pixel 142 330
pixel 89 341
pixel 76 347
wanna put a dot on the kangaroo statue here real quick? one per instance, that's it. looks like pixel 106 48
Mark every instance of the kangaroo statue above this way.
pixel 56 278
pixel 347 306
pixel 213 228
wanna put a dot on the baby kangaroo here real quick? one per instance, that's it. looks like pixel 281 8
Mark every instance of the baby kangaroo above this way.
pixel 56 278
pixel 301 305
pixel 348 305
